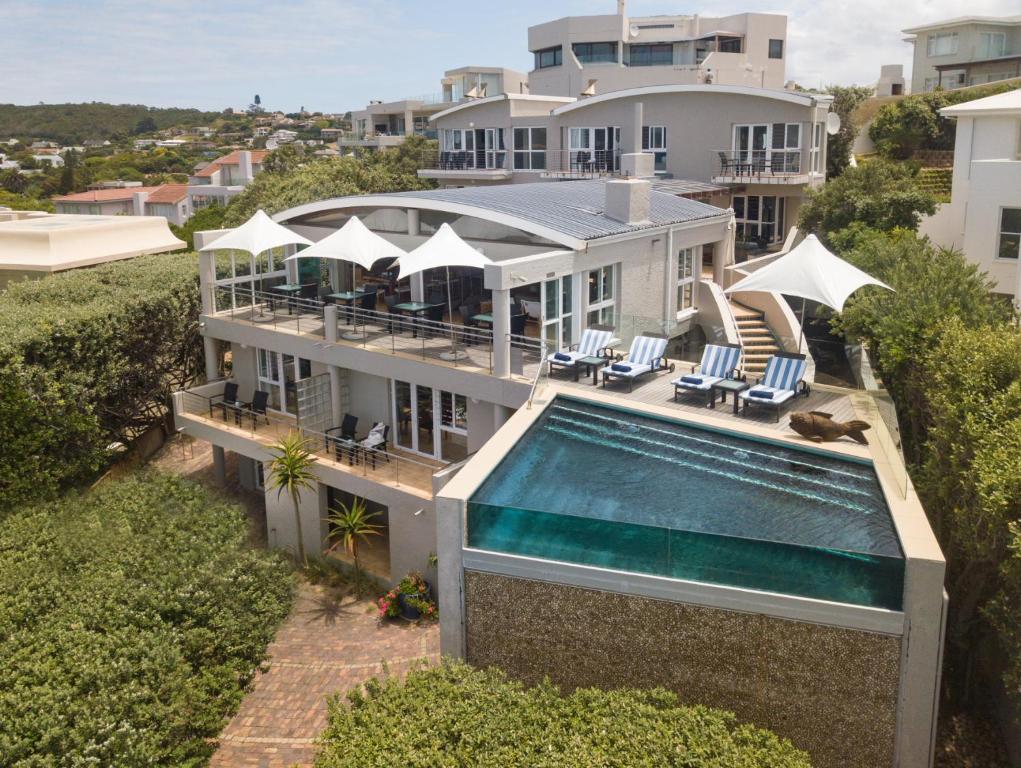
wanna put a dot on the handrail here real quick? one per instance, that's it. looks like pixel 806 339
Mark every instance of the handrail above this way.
pixel 543 362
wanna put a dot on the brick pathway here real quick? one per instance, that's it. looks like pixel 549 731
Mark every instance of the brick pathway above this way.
pixel 321 649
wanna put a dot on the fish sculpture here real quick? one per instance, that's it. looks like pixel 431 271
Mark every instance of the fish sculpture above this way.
pixel 820 427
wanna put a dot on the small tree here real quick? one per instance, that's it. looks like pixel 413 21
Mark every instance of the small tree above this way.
pixel 846 99
pixel 351 524
pixel 291 472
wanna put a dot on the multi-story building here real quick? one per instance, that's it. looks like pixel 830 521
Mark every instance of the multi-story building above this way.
pixel 833 603
pixel 983 217
pixel 224 177
pixel 171 201
pixel 967 50
pixel 579 55
pixel 386 124
pixel 759 149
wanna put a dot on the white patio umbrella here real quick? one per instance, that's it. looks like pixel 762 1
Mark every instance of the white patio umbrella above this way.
pixel 257 235
pixel 353 242
pixel 444 249
pixel 811 271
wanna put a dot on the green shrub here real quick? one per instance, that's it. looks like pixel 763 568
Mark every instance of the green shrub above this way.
pixel 88 358
pixel 133 616
pixel 453 715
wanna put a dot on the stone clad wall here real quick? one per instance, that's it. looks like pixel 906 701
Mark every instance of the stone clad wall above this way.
pixel 832 691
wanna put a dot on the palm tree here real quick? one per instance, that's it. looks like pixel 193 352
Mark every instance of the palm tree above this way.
pixel 290 471
pixel 351 523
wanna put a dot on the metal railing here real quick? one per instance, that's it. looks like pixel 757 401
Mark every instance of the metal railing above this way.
pixel 759 163
pixel 465 160
pixel 582 163
pixel 269 308
pixel 379 464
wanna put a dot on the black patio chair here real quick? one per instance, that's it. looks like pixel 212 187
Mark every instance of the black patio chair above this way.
pixel 260 401
pixel 229 396
pixel 393 321
pixel 517 324
pixel 470 334
pixel 342 439
pixel 377 441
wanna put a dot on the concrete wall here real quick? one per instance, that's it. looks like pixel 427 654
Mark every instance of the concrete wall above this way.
pixel 832 691
pixel 281 529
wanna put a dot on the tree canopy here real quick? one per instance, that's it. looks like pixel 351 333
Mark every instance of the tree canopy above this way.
pixel 74 123
pixel 454 715
pixel 846 100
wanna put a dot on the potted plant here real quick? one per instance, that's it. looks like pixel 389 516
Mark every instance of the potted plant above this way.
pixel 411 599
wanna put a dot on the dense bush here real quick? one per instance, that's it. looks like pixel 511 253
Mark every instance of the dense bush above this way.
pixel 880 194
pixel 846 100
pixel 901 127
pixel 208 218
pixel 74 123
pixel 132 617
pixel 453 715
pixel 387 170
pixel 88 358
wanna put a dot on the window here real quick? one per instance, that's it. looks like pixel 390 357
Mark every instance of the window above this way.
pixel 992 44
pixel 941 44
pixel 549 57
pixel 601 299
pixel 759 218
pixel 652 55
pixel 529 149
pixel 593 149
pixel 686 278
pixel 930 84
pixel 269 375
pixel 594 53
pixel 1010 234
pixel 776 49
pixel 817 148
pixel 654 141
pixel 729 45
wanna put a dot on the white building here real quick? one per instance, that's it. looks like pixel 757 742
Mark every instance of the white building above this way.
pixel 225 177
pixel 983 217
pixel 170 201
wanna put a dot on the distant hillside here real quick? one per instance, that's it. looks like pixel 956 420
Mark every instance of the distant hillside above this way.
pixel 74 123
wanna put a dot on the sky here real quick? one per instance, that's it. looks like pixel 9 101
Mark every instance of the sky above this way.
pixel 335 55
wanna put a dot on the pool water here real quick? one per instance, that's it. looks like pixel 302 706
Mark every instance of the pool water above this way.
pixel 601 486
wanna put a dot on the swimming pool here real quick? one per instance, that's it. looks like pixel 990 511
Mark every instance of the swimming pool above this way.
pixel 614 488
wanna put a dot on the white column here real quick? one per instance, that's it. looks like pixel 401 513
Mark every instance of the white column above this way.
pixel 417 279
pixel 501 332
pixel 219 465
pixel 211 357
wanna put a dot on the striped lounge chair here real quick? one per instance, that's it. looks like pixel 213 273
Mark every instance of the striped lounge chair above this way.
pixel 783 379
pixel 645 356
pixel 593 344
pixel 719 361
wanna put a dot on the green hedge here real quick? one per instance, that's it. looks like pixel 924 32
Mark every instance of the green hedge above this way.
pixel 132 618
pixel 453 715
pixel 88 358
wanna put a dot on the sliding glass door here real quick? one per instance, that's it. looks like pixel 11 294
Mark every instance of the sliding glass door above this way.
pixel 557 312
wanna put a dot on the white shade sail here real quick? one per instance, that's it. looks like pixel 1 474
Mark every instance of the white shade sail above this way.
pixel 260 233
pixel 810 271
pixel 444 249
pixel 353 242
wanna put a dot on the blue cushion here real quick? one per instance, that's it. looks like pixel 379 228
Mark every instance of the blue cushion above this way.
pixel 621 368
pixel 691 379
pixel 561 356
pixel 760 393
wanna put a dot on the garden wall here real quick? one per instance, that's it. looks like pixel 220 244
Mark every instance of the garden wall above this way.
pixel 832 691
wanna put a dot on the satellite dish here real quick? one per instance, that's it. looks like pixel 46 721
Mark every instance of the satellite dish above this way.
pixel 633 29
pixel 832 123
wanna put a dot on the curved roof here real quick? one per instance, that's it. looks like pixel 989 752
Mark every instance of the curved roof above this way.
pixel 568 212
pixel 792 97
pixel 501 97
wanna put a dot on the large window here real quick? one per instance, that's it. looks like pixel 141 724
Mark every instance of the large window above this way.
pixel 686 263
pixel 594 148
pixel 760 218
pixel 816 161
pixel 776 49
pixel 775 147
pixel 651 55
pixel 941 44
pixel 595 53
pixel 529 149
pixel 654 141
pixel 992 44
pixel 549 57
pixel 1009 246
pixel 601 298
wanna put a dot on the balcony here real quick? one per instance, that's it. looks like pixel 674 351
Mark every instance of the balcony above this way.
pixel 581 163
pixel 761 166
pixel 237 426
pixel 465 164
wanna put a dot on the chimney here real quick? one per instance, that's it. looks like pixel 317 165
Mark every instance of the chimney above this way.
pixel 245 166
pixel 138 203
pixel 634 162
pixel 628 200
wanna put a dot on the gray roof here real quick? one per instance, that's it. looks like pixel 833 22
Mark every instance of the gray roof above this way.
pixel 573 208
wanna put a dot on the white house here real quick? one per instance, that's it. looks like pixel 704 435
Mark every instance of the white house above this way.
pixel 983 217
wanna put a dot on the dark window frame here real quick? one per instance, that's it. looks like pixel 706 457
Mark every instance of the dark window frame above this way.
pixel 775 48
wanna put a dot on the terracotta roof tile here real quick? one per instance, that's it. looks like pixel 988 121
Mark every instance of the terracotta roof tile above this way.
pixel 168 193
pixel 165 193
pixel 234 158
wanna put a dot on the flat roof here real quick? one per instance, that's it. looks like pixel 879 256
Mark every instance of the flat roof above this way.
pixel 56 242
pixel 959 20
pixel 1007 103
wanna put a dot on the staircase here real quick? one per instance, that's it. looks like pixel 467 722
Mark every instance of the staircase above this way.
pixel 757 341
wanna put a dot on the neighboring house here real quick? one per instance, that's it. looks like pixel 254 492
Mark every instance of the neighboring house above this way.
pixel 761 148
pixel 386 124
pixel 983 218
pixel 588 55
pixel 968 50
pixel 53 160
pixel 170 201
pixel 224 177
pixel 762 624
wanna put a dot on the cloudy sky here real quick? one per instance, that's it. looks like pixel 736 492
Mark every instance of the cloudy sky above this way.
pixel 335 55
